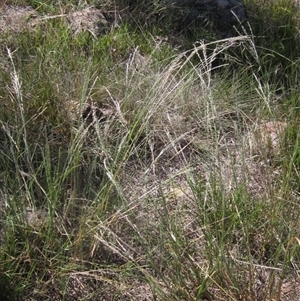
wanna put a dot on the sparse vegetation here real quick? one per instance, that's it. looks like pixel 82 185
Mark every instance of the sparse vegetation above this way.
pixel 140 166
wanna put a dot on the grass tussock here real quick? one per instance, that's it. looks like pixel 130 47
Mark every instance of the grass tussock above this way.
pixel 132 169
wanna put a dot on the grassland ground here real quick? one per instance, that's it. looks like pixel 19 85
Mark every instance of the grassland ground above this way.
pixel 141 163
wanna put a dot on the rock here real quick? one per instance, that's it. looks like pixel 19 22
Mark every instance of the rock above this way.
pixel 219 14
pixel 92 113
pixel 91 19
pixel 16 18
pixel 35 217
pixel 96 113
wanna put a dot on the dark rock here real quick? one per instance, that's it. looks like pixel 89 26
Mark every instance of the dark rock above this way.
pixel 219 14
pixel 97 113
pixel 92 113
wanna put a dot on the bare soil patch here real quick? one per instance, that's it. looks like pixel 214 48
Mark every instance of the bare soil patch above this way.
pixel 18 18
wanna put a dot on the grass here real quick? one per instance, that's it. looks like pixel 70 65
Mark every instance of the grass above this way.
pixel 173 194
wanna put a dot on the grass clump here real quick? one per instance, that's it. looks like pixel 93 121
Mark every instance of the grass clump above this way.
pixel 278 56
pixel 136 170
